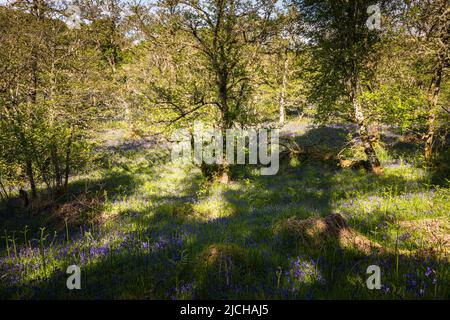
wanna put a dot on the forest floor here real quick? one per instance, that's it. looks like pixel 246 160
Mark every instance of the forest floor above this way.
pixel 143 227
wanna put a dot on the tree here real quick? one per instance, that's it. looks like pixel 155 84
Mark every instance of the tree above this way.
pixel 282 74
pixel 345 52
pixel 46 94
pixel 428 22
pixel 203 55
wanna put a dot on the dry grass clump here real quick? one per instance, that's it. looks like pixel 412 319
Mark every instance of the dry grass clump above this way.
pixel 315 232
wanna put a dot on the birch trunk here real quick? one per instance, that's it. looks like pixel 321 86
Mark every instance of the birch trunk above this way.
pixel 372 158
pixel 283 90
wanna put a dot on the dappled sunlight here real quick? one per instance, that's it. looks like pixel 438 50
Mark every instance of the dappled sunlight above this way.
pixel 265 237
pixel 234 149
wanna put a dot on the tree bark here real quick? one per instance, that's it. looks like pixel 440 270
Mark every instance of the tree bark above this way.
pixel 372 157
pixel 56 165
pixel 443 38
pixel 30 175
pixel 283 89
pixel 433 98
pixel 3 192
pixel 224 167
pixel 375 131
pixel 68 155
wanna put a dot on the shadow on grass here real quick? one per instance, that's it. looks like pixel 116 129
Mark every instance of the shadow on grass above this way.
pixel 178 254
pixel 241 256
pixel 81 207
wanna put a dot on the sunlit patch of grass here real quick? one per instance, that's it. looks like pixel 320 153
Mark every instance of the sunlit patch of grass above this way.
pixel 404 196
pixel 213 203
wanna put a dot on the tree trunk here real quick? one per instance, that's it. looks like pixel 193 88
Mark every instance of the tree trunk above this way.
pixel 443 39
pixel 372 158
pixel 433 97
pixel 224 167
pixel 56 165
pixel 68 155
pixel 38 12
pixel 283 89
pixel 375 132
pixel 3 192
pixel 30 175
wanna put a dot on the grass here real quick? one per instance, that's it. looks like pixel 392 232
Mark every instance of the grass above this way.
pixel 151 229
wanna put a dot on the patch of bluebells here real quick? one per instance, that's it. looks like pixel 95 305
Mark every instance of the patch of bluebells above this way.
pixel 431 274
pixel 183 292
pixel 424 277
pixel 385 289
pixel 302 271
pixel 32 262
